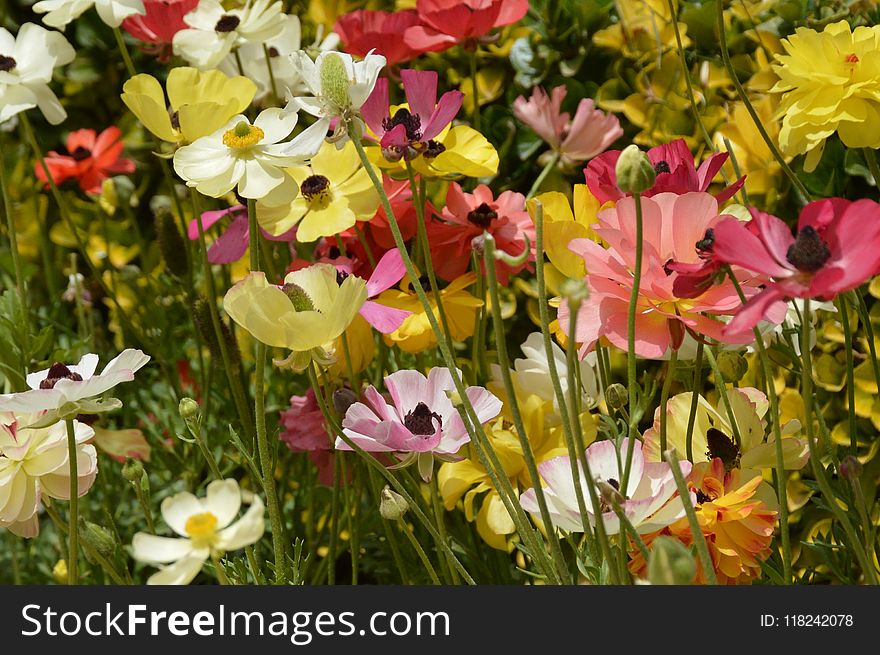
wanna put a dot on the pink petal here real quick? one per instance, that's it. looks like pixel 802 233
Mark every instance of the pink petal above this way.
pixel 420 88
pixel 446 110
pixel 208 219
pixel 375 109
pixel 735 244
pixel 383 318
pixel 709 168
pixel 232 244
pixel 389 271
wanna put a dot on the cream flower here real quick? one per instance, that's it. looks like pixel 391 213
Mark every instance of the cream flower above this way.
pixel 26 64
pixel 207 529
pixel 61 12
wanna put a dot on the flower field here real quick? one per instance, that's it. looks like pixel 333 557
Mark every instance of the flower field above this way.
pixel 439 292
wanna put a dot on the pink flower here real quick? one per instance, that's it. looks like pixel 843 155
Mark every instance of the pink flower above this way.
pixel 673 226
pixel 446 23
pixel 388 272
pixel 157 27
pixel 304 430
pixel 231 246
pixel 468 215
pixel 410 132
pixel 588 134
pixel 676 173
pixel 365 30
pixel 836 248
pixel 420 423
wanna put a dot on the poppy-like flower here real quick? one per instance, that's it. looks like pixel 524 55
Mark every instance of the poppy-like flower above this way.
pixel 91 159
pixel 378 229
pixel 251 158
pixel 27 61
pixel 59 13
pixel 305 315
pixel 831 83
pixel 447 23
pixel 304 430
pixel 420 423
pixel 675 168
pixel 214 31
pixel 206 528
pixel 198 103
pixel 411 131
pixel 388 272
pixel 469 215
pixel 650 500
pixel 577 139
pixel 364 30
pixel 232 245
pixel 34 463
pixel 158 25
pixel 836 248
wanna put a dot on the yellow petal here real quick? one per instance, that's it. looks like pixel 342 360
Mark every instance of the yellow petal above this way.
pixel 467 153
pixel 143 95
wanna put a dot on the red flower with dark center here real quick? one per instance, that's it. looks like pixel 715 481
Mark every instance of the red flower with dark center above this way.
pixel 364 30
pixel 93 158
pixel 157 27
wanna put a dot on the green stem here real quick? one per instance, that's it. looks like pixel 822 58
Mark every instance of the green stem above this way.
pixel 664 398
pixel 73 531
pixel 13 241
pixel 871 158
pixel 272 87
pixel 123 50
pixel 419 550
pixel 850 374
pixel 475 87
pixel 449 571
pixel 721 387
pixel 695 398
pixel 631 372
pixel 554 159
pixel 693 522
pixel 218 568
pixel 334 521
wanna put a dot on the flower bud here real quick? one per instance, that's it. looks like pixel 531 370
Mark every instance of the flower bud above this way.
pixel 59 571
pixel 733 366
pixel 616 396
pixel 335 83
pixel 171 245
pixel 850 468
pixel 574 291
pixel 132 470
pixel 343 399
pixel 609 493
pixel 671 563
pixel 392 506
pixel 634 171
pixel 188 409
pixel 98 537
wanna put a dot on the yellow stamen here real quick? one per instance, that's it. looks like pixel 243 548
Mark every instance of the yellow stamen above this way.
pixel 243 136
pixel 201 528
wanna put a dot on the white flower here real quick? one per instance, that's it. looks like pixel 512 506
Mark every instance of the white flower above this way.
pixel 112 12
pixel 26 65
pixel 250 157
pixel 206 527
pixel 62 388
pixel 33 463
pixel 214 31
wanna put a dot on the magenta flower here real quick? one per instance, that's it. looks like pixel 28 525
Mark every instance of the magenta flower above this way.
pixel 676 173
pixel 420 423
pixel 410 132
pixel 388 272
pixel 836 248
pixel 591 131
pixel 304 430
pixel 231 246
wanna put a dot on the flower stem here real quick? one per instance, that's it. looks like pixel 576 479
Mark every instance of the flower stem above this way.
pixel 272 86
pixel 419 550
pixel 871 158
pixel 631 372
pixel 554 159
pixel 693 521
pixel 16 267
pixel 721 387
pixel 664 398
pixel 73 530
pixel 850 373
pixel 475 87
pixel 218 568
pixel 448 570
pixel 695 398
pixel 123 50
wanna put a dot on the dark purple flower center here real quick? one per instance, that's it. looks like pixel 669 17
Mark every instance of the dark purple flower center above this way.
pixel 227 23
pixel 6 63
pixel 273 51
pixel 420 421
pixel 58 372
pixel 614 483
pixel 702 498
pixel 704 245
pixel 313 186
pixel 661 167
pixel 482 216
pixel 175 120
pixel 340 276
pixel 81 153
pixel 412 123
pixel 809 252
pixel 723 447
pixel 432 149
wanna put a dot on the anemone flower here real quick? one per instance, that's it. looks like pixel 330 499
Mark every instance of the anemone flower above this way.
pixel 365 29
pixel 447 23
pixel 304 430
pixel 158 25
pixel 92 159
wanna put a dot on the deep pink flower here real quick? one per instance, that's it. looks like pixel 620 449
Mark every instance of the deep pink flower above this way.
pixel 231 246
pixel 446 23
pixel 676 173
pixel 468 215
pixel 157 27
pixel 304 430
pixel 365 30
pixel 577 140
pixel 836 248
pixel 388 272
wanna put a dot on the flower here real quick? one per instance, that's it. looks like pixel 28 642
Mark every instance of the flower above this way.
pixel 207 529
pixel 68 389
pixel 378 229
pixel 469 215
pixel 200 103
pixel 26 64
pixel 158 25
pixel 388 272
pixel 249 157
pixel 59 13
pixel 122 444
pixel 215 31
pixel 649 500
pixel 305 315
pixel 365 29
pixel 304 430
pixel 420 423
pixel 92 159
pixel 230 246
pixel 675 168
pixel 591 131
pixel 446 23
pixel 33 463
pixel 837 248
pixel 335 193
pixel 830 81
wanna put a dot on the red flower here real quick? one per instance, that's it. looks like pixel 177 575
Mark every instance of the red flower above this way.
pixel 364 30
pixel 446 23
pixel 304 430
pixel 92 159
pixel 163 19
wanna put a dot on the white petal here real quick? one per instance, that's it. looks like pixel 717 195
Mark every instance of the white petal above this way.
pixel 159 550
pixel 177 509
pixel 181 572
pixel 223 501
pixel 246 531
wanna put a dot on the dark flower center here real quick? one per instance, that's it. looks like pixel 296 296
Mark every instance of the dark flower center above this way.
pixel 273 51
pixel 705 244
pixel 809 252
pixel 175 120
pixel 411 123
pixel 661 167
pixel 58 372
pixel 6 63
pixel 420 421
pixel 614 483
pixel 432 149
pixel 227 23
pixel 81 153
pixel 340 276
pixel 702 498
pixel 482 216
pixel 723 447
pixel 314 185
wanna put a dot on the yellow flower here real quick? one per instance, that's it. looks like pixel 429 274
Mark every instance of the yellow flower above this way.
pixel 644 26
pixel 335 193
pixel 831 83
pixel 200 102
pixel 361 348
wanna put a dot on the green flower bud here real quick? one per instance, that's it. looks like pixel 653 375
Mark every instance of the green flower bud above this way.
pixel 574 291
pixel 59 571
pixel 616 396
pixel 392 506
pixel 188 409
pixel 634 171
pixel 132 470
pixel 671 563
pixel 335 83
pixel 733 366
pixel 851 468
pixel 98 537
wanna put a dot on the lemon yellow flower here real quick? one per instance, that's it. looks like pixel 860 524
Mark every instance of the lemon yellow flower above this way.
pixel 644 26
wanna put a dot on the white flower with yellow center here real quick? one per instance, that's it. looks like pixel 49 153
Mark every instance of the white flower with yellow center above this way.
pixel 61 12
pixel 249 157
pixel 207 530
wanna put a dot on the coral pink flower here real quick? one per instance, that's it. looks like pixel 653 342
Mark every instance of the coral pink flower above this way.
pixel 378 229
pixel 837 248
pixel 410 132
pixel 421 422
pixel 364 30
pixel 468 215
pixel 305 431
pixel 446 23
pixel 673 224
pixel 93 158
pixel 231 246
pixel 157 27
pixel 676 173
pixel 577 140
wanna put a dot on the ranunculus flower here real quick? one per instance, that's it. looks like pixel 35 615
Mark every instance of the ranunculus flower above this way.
pixel 304 430
pixel 91 159
pixel 364 30
pixel 447 23
pixel 158 25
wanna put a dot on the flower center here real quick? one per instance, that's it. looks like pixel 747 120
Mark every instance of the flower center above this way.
pixel 273 51
pixel 81 153
pixel 6 63
pixel 420 421
pixel 704 245
pixel 432 149
pixel 58 372
pixel 243 136
pixel 227 23
pixel 482 216
pixel 315 187
pixel 702 498
pixel 298 296
pixel 335 83
pixel 809 252
pixel 661 167
pixel 340 277
pixel 723 447
pixel 412 123
pixel 201 528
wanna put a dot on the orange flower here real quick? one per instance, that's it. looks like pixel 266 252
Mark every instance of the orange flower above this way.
pixel 92 159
